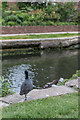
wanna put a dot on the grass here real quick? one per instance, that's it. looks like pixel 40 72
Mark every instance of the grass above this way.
pixel 65 106
pixel 39 36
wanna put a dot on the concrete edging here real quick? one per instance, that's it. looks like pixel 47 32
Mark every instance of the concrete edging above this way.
pixel 41 43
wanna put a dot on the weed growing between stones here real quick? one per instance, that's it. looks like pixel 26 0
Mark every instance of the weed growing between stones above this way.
pixel 4 87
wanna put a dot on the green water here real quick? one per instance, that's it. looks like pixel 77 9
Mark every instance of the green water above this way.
pixel 43 67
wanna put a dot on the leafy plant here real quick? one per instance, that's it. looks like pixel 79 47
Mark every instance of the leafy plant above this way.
pixel 30 14
pixel 4 87
pixel 4 5
pixel 65 10
pixel 11 23
pixel 13 7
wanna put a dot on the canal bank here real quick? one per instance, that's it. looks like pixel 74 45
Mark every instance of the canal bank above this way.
pixel 41 93
pixel 42 43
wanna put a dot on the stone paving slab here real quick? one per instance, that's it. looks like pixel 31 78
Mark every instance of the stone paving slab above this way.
pixel 2 104
pixel 38 94
pixel 73 83
pixel 53 91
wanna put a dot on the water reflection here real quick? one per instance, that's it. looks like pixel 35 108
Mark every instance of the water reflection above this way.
pixel 42 69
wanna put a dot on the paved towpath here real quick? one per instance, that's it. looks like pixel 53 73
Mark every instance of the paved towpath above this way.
pixel 36 94
pixel 38 33
pixel 39 39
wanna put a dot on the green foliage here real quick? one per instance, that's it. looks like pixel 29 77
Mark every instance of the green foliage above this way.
pixel 13 7
pixel 65 106
pixel 22 5
pixel 65 10
pixel 4 5
pixel 22 16
pixel 49 9
pixel 76 75
pixel 12 18
pixel 4 87
pixel 11 23
pixel 3 22
pixel 30 14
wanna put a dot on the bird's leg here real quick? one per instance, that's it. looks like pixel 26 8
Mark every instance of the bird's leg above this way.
pixel 25 97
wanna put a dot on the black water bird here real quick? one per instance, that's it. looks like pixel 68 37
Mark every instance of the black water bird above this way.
pixel 26 86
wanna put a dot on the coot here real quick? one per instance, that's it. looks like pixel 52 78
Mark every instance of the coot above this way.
pixel 26 86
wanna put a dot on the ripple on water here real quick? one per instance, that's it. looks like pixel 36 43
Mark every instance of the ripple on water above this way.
pixel 42 69
pixel 16 76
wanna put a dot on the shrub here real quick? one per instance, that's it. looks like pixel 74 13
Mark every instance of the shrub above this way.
pixel 25 23
pixel 13 7
pixel 49 9
pixel 8 12
pixel 3 21
pixel 4 87
pixel 22 16
pixel 12 20
pixel 11 23
pixel 51 23
pixel 22 5
pixel 73 23
pixel 44 23
pixel 4 6
pixel 36 14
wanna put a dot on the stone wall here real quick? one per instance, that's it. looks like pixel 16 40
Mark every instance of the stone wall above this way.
pixel 39 29
pixel 41 43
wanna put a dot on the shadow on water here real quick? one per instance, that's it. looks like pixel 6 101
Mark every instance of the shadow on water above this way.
pixel 43 67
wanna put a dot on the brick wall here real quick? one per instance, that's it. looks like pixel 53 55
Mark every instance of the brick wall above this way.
pixel 38 29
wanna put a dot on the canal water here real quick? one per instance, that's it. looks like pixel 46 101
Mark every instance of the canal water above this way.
pixel 43 67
